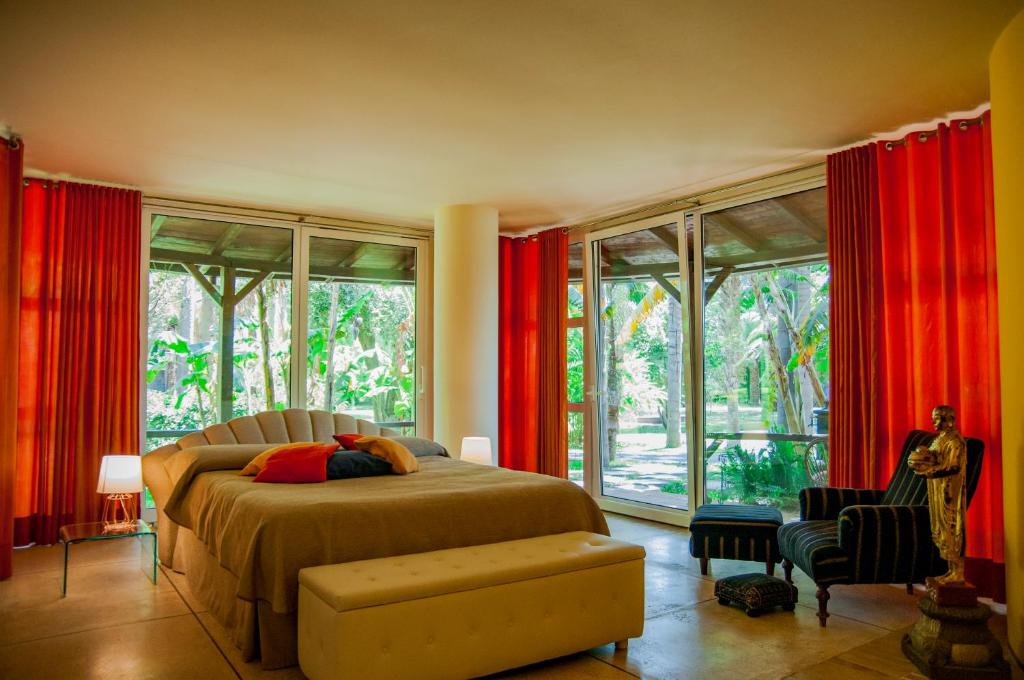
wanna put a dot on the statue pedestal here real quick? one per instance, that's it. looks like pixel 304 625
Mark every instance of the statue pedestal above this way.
pixel 951 639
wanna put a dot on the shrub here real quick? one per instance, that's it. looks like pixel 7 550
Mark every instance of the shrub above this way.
pixel 772 475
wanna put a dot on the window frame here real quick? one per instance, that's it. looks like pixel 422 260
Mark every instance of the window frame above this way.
pixel 301 231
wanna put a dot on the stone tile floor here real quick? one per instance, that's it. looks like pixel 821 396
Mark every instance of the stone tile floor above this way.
pixel 114 623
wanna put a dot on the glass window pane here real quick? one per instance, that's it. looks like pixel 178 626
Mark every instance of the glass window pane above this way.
pixel 219 295
pixel 766 350
pixel 361 356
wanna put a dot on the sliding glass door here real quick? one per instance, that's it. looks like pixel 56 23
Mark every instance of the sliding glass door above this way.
pixel 705 355
pixel 639 396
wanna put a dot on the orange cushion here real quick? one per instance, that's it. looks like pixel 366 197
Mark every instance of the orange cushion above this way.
pixel 298 465
pixel 257 463
pixel 401 459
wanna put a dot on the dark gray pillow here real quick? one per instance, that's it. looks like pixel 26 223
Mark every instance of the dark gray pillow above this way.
pixel 350 464
pixel 420 447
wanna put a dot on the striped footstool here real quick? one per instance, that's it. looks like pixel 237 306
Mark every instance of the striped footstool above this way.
pixel 736 532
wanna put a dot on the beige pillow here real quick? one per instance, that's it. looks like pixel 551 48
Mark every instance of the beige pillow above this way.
pixel 256 464
pixel 401 459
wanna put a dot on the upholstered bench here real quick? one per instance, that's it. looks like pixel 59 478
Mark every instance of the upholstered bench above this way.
pixel 467 612
pixel 736 532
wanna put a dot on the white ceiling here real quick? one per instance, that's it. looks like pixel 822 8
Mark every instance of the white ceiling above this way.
pixel 552 111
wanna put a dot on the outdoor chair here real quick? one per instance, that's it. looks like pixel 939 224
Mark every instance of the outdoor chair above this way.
pixel 849 536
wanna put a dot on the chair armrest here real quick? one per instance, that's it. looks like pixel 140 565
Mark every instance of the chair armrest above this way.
pixel 887 543
pixel 818 502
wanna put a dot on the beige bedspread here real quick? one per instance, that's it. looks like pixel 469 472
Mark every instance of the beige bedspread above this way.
pixel 265 533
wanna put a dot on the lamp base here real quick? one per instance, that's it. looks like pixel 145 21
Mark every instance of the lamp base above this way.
pixel 119 512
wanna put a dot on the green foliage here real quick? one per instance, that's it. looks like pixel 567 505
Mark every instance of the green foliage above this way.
pixel 772 475
pixel 676 487
pixel 373 363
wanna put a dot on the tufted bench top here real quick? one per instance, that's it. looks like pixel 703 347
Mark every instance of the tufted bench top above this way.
pixel 371 583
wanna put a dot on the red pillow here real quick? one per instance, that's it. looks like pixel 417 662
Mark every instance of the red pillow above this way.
pixel 348 441
pixel 297 466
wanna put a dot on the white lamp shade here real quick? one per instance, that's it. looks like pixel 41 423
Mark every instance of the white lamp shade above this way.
pixel 477 450
pixel 120 474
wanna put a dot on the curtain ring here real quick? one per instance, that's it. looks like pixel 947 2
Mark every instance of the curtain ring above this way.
pixel 14 142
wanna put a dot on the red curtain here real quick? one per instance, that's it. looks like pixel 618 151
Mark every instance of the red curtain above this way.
pixel 79 386
pixel 912 244
pixel 533 306
pixel 10 244
pixel 852 181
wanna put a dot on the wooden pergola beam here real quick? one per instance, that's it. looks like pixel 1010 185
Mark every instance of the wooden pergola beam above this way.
pixel 226 238
pixel 737 231
pixel 716 283
pixel 801 221
pixel 354 257
pixel 251 286
pixel 787 257
pixel 667 238
pixel 241 264
pixel 155 225
pixel 606 255
pixel 204 282
pixel 667 285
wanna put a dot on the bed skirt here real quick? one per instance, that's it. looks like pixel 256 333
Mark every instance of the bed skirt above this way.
pixel 254 627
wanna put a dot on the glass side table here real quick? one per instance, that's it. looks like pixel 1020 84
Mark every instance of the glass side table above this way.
pixel 96 531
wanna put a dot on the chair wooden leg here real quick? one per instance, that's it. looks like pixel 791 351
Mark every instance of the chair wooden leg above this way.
pixel 910 589
pixel 704 566
pixel 787 569
pixel 822 604
pixel 769 568
pixel 622 645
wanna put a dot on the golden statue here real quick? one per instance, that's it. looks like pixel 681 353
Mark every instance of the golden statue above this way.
pixel 944 463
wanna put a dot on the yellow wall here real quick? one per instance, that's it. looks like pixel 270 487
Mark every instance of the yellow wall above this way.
pixel 1006 70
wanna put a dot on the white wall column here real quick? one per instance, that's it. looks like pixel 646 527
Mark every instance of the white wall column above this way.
pixel 465 325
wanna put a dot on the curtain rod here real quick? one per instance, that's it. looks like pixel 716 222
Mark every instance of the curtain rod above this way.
pixel 923 136
pixel 12 139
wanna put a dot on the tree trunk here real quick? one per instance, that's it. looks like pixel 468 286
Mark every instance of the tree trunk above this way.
pixel 734 347
pixel 614 390
pixel 755 381
pixel 269 399
pixel 778 368
pixel 786 316
pixel 673 350
pixel 332 333
pixel 281 304
pixel 383 404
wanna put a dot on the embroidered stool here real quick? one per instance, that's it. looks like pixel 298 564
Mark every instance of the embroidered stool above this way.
pixel 756 592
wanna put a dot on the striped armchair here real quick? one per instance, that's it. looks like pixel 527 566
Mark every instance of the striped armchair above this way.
pixel 848 536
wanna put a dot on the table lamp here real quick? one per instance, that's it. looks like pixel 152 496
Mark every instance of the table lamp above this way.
pixel 476 450
pixel 120 479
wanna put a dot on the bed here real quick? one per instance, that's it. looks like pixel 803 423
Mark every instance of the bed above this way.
pixel 242 544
